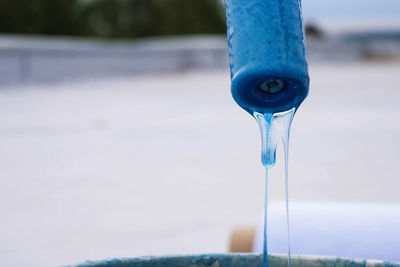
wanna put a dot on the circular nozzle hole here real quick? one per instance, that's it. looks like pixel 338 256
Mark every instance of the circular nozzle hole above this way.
pixel 271 86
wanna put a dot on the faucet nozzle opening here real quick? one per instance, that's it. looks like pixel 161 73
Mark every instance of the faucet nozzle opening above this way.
pixel 271 86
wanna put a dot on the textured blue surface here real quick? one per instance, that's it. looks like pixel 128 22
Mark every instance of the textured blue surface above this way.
pixel 266 42
pixel 235 260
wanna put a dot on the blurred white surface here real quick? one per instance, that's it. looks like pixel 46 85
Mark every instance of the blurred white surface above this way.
pixel 363 231
pixel 170 164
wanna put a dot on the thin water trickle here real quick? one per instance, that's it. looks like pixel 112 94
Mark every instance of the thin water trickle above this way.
pixel 265 244
pixel 274 128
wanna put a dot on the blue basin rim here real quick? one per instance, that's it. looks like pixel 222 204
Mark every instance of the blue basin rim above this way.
pixel 235 260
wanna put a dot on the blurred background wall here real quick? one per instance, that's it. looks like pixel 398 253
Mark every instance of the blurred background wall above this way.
pixel 34 45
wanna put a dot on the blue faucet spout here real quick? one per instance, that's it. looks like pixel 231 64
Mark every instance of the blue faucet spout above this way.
pixel 267 54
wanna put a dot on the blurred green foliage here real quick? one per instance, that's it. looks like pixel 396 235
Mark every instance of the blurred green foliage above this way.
pixel 112 18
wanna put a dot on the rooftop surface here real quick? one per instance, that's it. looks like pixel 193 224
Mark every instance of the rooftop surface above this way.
pixel 169 164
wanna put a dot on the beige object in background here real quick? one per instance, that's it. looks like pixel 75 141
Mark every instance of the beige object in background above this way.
pixel 242 239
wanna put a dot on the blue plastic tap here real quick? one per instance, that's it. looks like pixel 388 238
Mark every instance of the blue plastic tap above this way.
pixel 267 54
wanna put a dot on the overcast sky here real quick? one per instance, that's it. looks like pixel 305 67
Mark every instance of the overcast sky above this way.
pixel 342 14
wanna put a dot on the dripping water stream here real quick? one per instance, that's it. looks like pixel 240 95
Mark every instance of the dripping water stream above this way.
pixel 274 128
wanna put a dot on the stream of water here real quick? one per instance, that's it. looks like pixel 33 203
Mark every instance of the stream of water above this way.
pixel 274 128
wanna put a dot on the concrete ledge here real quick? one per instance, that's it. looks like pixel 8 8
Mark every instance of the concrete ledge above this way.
pixel 25 59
